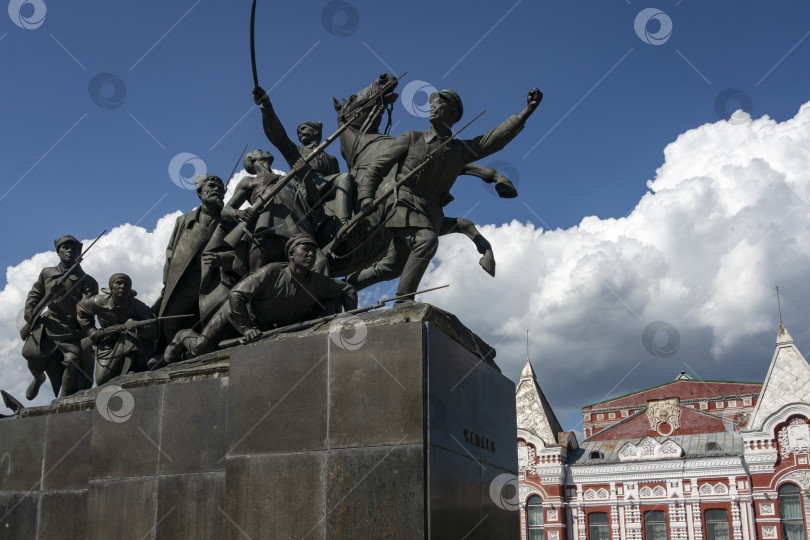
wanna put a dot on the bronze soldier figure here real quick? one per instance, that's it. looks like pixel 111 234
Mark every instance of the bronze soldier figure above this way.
pixel 126 351
pixel 414 213
pixel 182 273
pixel 277 295
pixel 331 183
pixel 53 347
pixel 285 216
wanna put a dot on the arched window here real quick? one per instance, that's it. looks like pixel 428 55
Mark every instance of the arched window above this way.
pixel 717 524
pixel 790 510
pixel 534 517
pixel 598 526
pixel 655 525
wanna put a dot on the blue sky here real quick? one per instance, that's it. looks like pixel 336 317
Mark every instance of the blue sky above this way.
pixel 84 151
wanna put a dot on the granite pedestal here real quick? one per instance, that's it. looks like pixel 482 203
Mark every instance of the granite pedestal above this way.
pixel 393 427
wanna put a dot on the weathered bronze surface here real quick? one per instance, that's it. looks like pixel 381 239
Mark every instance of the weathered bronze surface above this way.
pixel 53 347
pixel 128 349
pixel 414 215
pixel 277 294
pixel 183 271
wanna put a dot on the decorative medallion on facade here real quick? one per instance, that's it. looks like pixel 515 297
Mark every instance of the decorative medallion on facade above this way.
pixel 664 415
pixel 650 448
pixel 766 509
pixel 718 489
pixel 552 515
pixel 769 532
pixel 794 437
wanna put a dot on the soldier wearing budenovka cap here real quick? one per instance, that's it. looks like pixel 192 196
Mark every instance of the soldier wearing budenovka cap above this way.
pixel 53 347
pixel 120 353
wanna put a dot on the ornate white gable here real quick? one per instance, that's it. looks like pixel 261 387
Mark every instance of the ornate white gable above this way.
pixel 534 414
pixel 787 382
pixel 649 448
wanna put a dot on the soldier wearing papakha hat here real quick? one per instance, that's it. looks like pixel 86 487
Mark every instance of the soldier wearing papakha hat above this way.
pixel 121 353
pixel 414 214
pixel 53 348
pixel 278 294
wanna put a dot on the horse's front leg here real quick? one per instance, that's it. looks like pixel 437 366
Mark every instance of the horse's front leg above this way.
pixel 468 228
pixel 504 186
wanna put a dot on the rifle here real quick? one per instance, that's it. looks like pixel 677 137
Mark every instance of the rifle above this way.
pixel 240 232
pixel 48 298
pixel 234 168
pixel 348 227
pixel 306 324
pixel 118 328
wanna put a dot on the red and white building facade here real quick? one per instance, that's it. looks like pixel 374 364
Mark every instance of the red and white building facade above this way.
pixel 687 460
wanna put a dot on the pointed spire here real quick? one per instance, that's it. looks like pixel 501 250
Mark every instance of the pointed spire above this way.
pixel 787 381
pixel 534 414
pixel 784 337
pixel 528 372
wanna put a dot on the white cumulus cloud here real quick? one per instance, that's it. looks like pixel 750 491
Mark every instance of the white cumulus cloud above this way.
pixel 694 265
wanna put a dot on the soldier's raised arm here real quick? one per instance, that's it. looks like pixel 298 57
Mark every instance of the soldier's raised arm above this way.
pixel 273 128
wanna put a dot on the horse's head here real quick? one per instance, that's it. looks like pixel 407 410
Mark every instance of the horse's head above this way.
pixel 373 100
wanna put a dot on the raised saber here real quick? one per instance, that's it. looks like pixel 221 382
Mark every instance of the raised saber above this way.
pixel 240 231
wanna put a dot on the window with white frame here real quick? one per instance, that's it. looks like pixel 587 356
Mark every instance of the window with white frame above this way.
pixel 790 512
pixel 716 520
pixel 534 517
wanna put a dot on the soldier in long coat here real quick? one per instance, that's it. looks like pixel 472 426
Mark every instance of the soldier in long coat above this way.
pixel 53 347
pixel 117 354
pixel 414 212
pixel 183 271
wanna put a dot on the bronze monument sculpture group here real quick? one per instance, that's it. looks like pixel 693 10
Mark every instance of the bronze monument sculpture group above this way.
pixel 234 274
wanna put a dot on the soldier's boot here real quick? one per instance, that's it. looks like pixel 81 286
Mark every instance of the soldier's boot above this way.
pixel 364 278
pixel 33 388
pixel 187 341
pixel 423 244
pixel 69 376
pixel 344 196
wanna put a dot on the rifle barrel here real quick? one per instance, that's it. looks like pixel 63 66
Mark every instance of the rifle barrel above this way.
pixel 237 235
pixel 348 227
pixel 306 324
